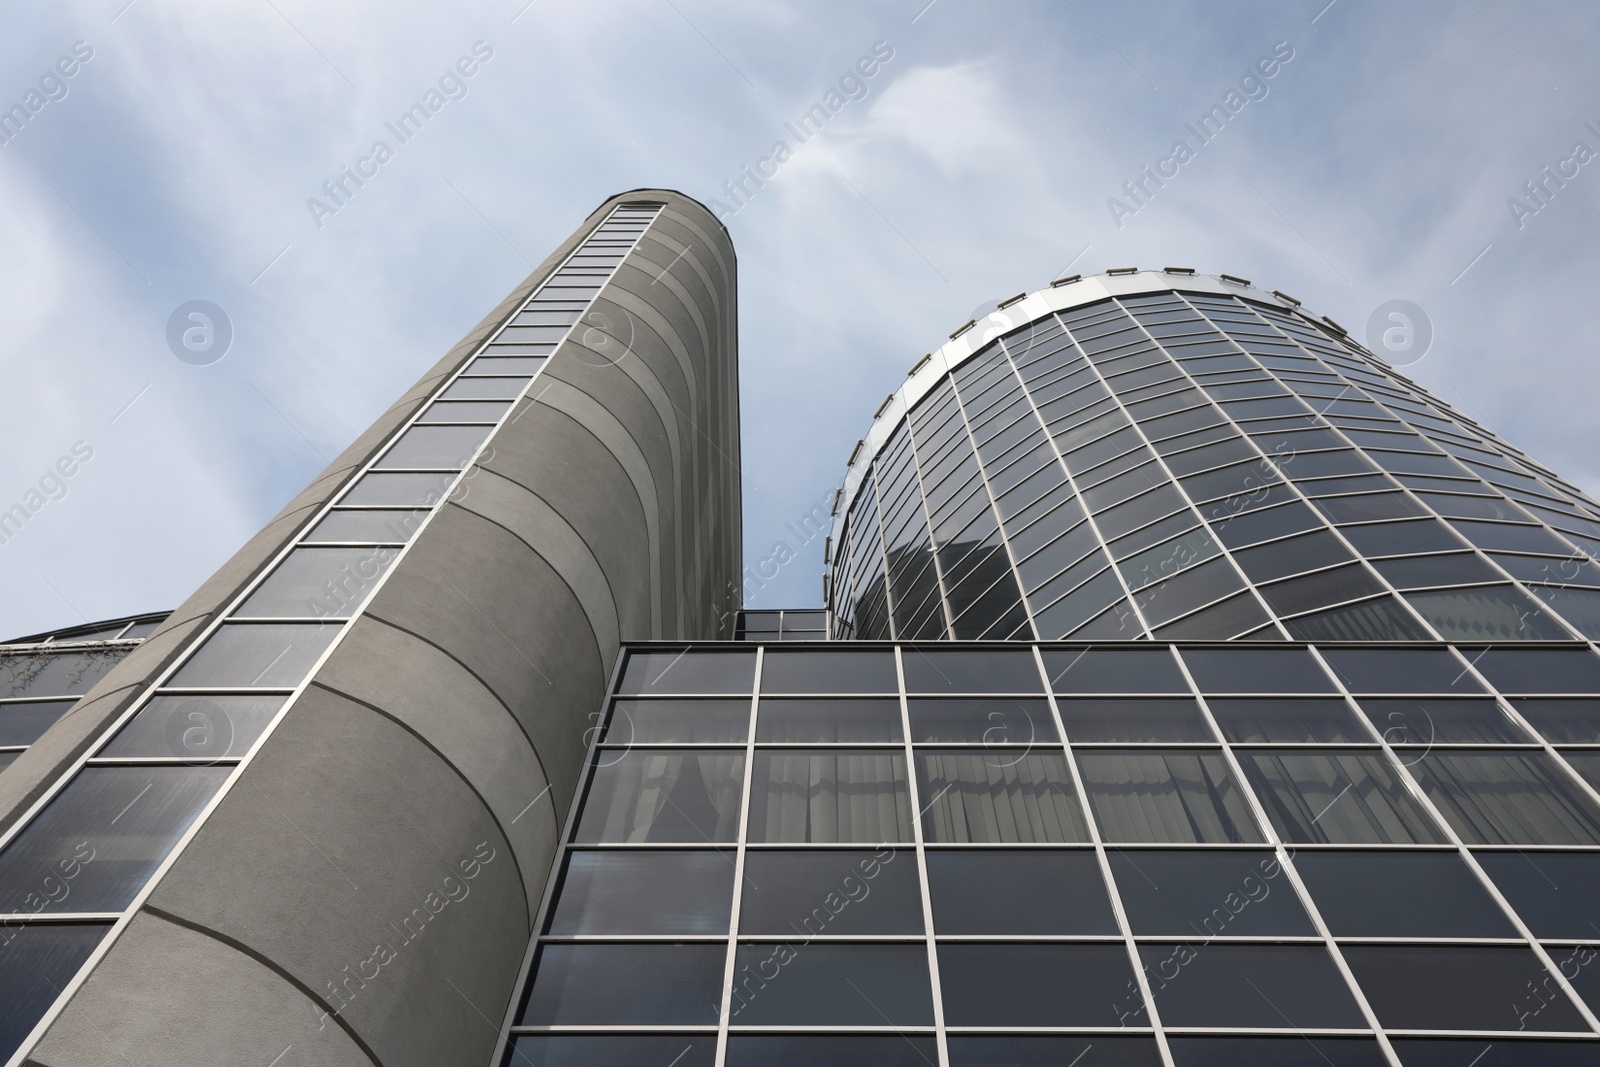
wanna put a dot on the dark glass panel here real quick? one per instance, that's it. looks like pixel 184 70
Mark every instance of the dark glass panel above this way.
pixel 1528 670
pixel 1267 986
pixel 1476 1052
pixel 196 727
pixel 435 447
pixel 1459 987
pixel 384 527
pixel 663 796
pixel 637 891
pixel 801 721
pixel 614 1050
pixel 1248 528
pixel 1205 893
pixel 1396 538
pixel 398 490
pixel 623 984
pixel 1282 558
pixel 22 723
pixel 1165 797
pixel 1096 670
pixel 1454 569
pixel 998 796
pixel 1507 536
pixel 830 796
pixel 992 722
pixel 1367 507
pixel 1018 891
pixel 1218 670
pixel 1227 619
pixel 318 583
pixel 54 674
pixel 467 411
pixel 678 722
pixel 822 891
pixel 1563 721
pixel 1444 722
pixel 987 671
pixel 1379 619
pixel 1487 611
pixel 258 655
pixel 1295 595
pixel 1287 720
pixel 1133 720
pixel 1093 1050
pixel 37 960
pixel 1508 798
pixel 828 672
pixel 1329 795
pixel 1395 893
pixel 688 672
pixel 1556 893
pixel 833 1050
pixel 1400 670
pixel 102 837
pixel 1277 1052
pixel 831 985
pixel 1038 985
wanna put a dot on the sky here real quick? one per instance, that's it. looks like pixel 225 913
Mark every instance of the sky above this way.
pixel 1386 158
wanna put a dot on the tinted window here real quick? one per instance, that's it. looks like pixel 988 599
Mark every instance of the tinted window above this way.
pixel 1277 1052
pixel 663 796
pixel 1444 722
pixel 37 962
pixel 1134 720
pixel 929 671
pixel 1287 670
pixel 829 672
pixel 647 722
pixel 1207 893
pixel 821 891
pixel 1036 985
pixel 800 721
pixel 1287 720
pixel 1096 1050
pixel 1394 670
pixel 435 447
pixel 398 490
pixel 1556 893
pixel 1458 987
pixel 1251 527
pixel 1268 986
pixel 1508 798
pixel 1400 894
pixel 196 727
pixel 1396 538
pixel 1094 670
pixel 1297 554
pixel 1018 891
pixel 615 1050
pixel 643 892
pixel 1165 797
pixel 1328 795
pixel 688 672
pixel 808 1050
pixel 1527 670
pixel 261 655
pixel 832 795
pixel 1569 721
pixel 996 795
pixel 22 723
pixel 832 985
pixel 1448 1052
pixel 989 722
pixel 588 985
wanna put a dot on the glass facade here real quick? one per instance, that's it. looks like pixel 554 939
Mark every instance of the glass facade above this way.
pixel 1201 465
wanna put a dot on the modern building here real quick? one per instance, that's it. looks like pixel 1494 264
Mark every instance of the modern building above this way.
pixel 1191 689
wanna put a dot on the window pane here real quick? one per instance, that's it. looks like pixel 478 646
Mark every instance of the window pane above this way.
pixel 1286 670
pixel 834 1050
pixel 36 963
pixel 830 796
pixel 1018 891
pixel 822 891
pixel 1419 1052
pixel 1563 721
pixel 649 722
pixel 1278 1052
pixel 468 411
pixel 1287 720
pixel 1095 1050
pixel 1133 720
pixel 1207 893
pixel 1293 556
pixel 260 655
pixel 1094 670
pixel 1266 986
pixel 22 723
pixel 1486 611
pixel 318 583
pixel 832 985
pixel 801 721
pixel 1459 987
pixel 829 672
pixel 1038 985
pixel 1556 893
pixel 929 671
pixel 435 447
pixel 1508 798
pixel 197 727
pixel 1397 670
pixel 998 796
pixel 1337 796
pixel 376 489
pixel 990 722
pixel 1528 670
pixel 1400 894
pixel 641 892
pixel 1165 797
pixel 1444 722
pixel 590 985
pixel 54 674
pixel 614 1050
pixel 688 672
pixel 663 796
pixel 97 843
pixel 393 527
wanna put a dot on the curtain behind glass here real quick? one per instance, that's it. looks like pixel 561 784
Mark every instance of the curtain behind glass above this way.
pixel 1349 797
pixel 664 796
pixel 995 795
pixel 1166 797
pixel 1508 798
pixel 857 797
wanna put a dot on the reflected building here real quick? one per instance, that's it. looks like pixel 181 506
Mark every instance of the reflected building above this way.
pixel 1191 689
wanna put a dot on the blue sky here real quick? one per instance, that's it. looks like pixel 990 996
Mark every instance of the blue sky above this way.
pixel 1377 163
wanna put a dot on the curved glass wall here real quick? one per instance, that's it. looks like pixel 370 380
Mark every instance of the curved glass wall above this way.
pixel 1191 465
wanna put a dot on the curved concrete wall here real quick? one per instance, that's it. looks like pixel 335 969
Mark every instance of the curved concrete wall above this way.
pixel 365 892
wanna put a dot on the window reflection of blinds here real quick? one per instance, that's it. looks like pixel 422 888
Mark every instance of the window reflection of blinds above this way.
pixel 1346 797
pixel 1165 796
pixel 825 796
pixel 665 796
pixel 1508 798
pixel 997 795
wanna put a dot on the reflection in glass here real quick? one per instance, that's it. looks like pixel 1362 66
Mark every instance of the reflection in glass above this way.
pixel 1444 722
pixel 636 891
pixel 435 447
pixel 1094 670
pixel 640 984
pixel 382 527
pixel 688 672
pixel 1165 797
pixel 1256 670
pixel 23 722
pixel 652 722
pixel 196 727
pixel 398 489
pixel 1133 720
pixel 663 796
pixel 830 795
pixel 257 655
pixel 1279 720
pixel 321 583
pixel 998 796
pixel 797 720
pixel 1332 795
pixel 829 672
pixel 1014 721
pixel 37 960
pixel 1573 722
pixel 989 671
pixel 1508 798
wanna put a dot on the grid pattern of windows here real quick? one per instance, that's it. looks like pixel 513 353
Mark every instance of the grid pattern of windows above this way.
pixel 1192 466
pixel 74 868
pixel 1115 854
pixel 781 624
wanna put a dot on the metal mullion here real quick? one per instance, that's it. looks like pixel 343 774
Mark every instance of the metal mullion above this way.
pixel 1403 771
pixel 1113 894
pixel 1284 856
pixel 1077 495
pixel 725 1016
pixel 1172 480
pixel 919 850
